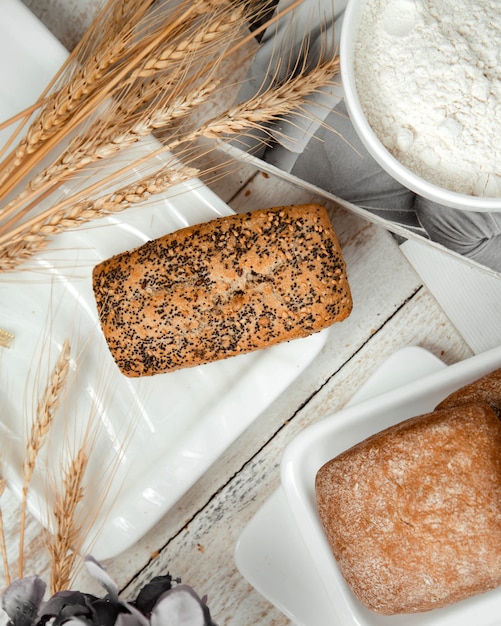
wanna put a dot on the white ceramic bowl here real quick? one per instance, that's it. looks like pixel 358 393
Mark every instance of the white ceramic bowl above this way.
pixel 324 440
pixel 372 143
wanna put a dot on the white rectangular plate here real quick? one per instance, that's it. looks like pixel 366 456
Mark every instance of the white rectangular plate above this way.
pixel 319 443
pixel 175 424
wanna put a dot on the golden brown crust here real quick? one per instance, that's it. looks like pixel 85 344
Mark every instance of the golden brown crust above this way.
pixel 413 513
pixel 229 286
pixel 486 389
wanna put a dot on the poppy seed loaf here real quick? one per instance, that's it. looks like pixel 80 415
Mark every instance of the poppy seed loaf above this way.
pixel 222 288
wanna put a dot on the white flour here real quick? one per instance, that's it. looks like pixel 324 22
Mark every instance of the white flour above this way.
pixel 429 80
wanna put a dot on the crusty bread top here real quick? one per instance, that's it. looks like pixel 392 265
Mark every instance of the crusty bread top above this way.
pixel 413 513
pixel 485 389
pixel 222 288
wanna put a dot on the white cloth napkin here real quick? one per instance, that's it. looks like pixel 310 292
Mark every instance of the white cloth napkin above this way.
pixel 470 297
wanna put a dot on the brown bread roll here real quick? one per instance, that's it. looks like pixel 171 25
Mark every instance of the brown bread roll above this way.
pixel 485 389
pixel 222 288
pixel 413 513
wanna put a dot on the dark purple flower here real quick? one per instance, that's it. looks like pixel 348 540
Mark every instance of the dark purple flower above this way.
pixel 164 601
pixel 21 600
pixel 66 605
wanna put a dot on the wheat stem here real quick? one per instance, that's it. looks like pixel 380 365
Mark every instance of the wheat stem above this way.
pixel 131 120
pixel 93 100
pixel 272 104
pixel 223 26
pixel 82 71
pixel 115 139
pixel 35 238
pixel 117 76
pixel 45 412
pixel 3 545
pixel 22 238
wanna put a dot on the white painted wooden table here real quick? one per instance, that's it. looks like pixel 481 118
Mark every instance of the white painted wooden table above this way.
pixel 196 539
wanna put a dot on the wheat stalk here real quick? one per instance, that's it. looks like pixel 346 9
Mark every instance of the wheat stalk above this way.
pixel 58 105
pixel 185 94
pixel 222 27
pixel 67 532
pixel 274 103
pixel 114 78
pixel 144 51
pixel 70 521
pixel 73 515
pixel 40 428
pixel 132 114
pixel 271 104
pixel 3 545
pixel 35 238
pixel 20 239
pixel 107 38
pixel 113 139
pixel 116 39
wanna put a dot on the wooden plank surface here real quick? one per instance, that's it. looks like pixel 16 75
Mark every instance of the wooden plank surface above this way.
pixel 197 538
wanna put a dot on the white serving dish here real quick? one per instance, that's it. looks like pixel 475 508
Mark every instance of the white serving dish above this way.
pixel 374 145
pixel 319 443
pixel 175 425
pixel 271 553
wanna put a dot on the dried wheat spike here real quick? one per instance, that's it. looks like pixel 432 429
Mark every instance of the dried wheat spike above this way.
pixel 6 338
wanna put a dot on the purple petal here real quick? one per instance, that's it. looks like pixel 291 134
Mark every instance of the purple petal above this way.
pixel 134 618
pixel 97 571
pixel 131 619
pixel 22 599
pixel 179 606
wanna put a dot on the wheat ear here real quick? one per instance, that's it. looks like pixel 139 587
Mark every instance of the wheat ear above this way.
pixel 114 78
pixel 272 104
pixel 215 33
pixel 67 531
pixel 222 28
pixel 138 110
pixel 3 545
pixel 114 139
pixel 40 428
pixel 80 75
pixel 146 51
pixel 34 239
pixel 120 72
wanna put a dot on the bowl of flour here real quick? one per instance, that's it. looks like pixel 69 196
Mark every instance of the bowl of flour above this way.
pixel 423 89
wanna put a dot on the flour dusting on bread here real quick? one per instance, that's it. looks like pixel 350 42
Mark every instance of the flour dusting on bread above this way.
pixel 413 513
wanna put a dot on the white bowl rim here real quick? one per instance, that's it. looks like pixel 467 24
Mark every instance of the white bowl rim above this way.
pixel 374 145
